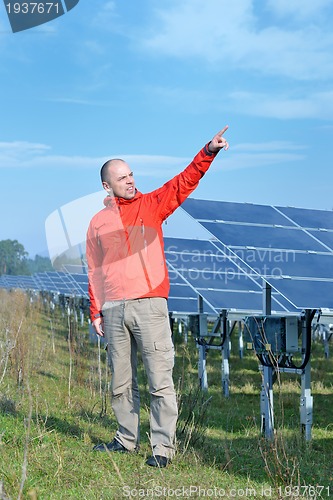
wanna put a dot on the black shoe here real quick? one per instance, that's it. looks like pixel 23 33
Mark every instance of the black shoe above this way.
pixel 113 446
pixel 157 461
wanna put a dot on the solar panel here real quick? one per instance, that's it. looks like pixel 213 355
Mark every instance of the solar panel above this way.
pixel 81 281
pixel 183 299
pixel 24 282
pixel 307 294
pixel 306 218
pixel 234 212
pixel 270 243
pixel 10 281
pixel 273 264
pixel 292 251
pixel 325 237
pixel 257 236
pixel 201 267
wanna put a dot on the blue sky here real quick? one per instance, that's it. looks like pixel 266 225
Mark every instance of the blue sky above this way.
pixel 152 81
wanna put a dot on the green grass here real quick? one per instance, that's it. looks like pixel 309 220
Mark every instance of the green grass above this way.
pixel 54 406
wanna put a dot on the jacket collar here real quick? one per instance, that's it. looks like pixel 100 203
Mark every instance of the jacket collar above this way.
pixel 112 201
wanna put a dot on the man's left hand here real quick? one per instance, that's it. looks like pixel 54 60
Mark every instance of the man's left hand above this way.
pixel 219 142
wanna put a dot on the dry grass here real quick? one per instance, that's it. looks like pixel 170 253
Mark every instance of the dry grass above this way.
pixel 54 406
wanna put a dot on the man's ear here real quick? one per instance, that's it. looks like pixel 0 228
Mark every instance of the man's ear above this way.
pixel 107 188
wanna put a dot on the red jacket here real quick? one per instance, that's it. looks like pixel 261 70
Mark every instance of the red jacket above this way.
pixel 125 251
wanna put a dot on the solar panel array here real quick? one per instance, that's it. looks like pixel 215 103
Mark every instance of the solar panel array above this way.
pixel 53 282
pixel 290 248
pixel 202 267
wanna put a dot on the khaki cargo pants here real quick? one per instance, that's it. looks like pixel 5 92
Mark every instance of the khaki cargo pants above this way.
pixel 142 324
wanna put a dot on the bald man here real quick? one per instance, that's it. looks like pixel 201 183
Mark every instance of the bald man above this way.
pixel 128 290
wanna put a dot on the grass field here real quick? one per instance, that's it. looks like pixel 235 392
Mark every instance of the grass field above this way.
pixel 54 406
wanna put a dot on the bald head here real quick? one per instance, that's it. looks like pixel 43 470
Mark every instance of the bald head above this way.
pixel 117 179
pixel 105 168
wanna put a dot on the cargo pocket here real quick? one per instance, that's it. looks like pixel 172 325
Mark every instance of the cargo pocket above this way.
pixel 165 354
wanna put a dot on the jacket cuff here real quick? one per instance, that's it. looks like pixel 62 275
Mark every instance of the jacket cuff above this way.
pixel 207 152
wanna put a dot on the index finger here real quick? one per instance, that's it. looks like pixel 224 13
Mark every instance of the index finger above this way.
pixel 223 130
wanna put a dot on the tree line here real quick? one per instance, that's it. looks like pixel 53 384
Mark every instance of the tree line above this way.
pixel 15 260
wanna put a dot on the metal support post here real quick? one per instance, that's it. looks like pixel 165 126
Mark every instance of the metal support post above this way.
pixel 202 368
pixel 267 298
pixel 327 335
pixel 266 403
pixel 183 329
pixel 225 354
pixel 266 399
pixel 82 317
pixel 202 371
pixel 240 340
pixel 186 332
pixel 306 402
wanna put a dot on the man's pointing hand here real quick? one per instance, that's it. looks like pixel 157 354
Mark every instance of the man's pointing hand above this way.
pixel 218 142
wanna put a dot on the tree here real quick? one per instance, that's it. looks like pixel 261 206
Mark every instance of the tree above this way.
pixel 39 264
pixel 13 258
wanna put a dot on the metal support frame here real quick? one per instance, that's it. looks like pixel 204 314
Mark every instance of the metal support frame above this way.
pixel 268 375
pixel 326 338
pixel 183 327
pixel 266 403
pixel 323 329
pixel 324 332
pixel 221 324
pixel 306 403
pixel 225 354
pixel 266 396
pixel 240 340
pixel 306 400
pixel 202 371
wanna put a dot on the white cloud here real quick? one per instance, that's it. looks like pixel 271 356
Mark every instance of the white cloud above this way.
pixel 268 146
pixel 106 17
pixel 83 102
pixel 316 105
pixel 299 8
pixel 93 47
pixel 223 32
pixel 20 151
pixel 21 154
pixel 260 159
pixel 29 155
pixel 196 28
pixel 289 104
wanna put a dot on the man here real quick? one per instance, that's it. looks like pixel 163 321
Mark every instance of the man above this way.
pixel 128 290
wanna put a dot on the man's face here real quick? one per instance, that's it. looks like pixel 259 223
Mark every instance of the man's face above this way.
pixel 120 180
